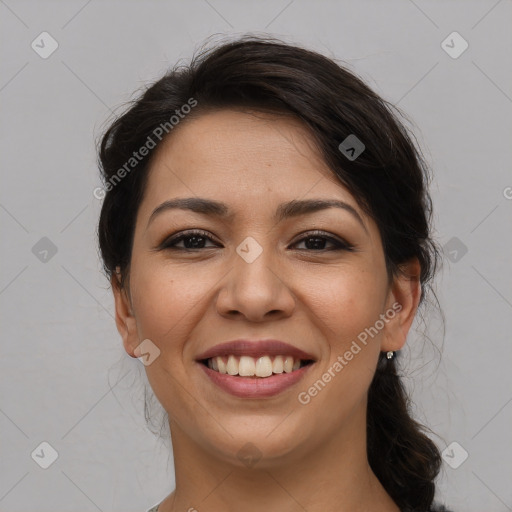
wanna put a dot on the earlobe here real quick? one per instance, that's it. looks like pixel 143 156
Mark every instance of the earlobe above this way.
pixel 403 299
pixel 125 319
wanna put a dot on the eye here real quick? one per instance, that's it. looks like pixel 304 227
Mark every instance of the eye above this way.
pixel 193 239
pixel 316 241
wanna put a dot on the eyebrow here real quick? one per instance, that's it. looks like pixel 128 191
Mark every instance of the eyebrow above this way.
pixel 292 208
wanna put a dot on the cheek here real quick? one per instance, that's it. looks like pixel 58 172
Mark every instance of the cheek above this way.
pixel 343 308
pixel 346 303
pixel 166 302
pixel 168 305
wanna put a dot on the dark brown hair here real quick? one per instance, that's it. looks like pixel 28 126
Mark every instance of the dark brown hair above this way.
pixel 389 179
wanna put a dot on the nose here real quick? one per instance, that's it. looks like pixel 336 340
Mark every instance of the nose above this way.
pixel 257 291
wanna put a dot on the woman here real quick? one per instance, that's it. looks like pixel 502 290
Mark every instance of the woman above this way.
pixel 265 228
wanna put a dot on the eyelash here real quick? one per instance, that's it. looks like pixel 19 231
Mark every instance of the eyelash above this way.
pixel 340 245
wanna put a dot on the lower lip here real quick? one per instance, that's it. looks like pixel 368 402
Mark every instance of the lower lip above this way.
pixel 255 387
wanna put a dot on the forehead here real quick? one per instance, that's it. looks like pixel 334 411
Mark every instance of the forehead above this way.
pixel 242 139
pixel 243 158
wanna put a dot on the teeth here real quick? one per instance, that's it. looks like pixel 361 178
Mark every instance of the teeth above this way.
pixel 221 364
pixel 277 365
pixel 247 366
pixel 263 367
pixel 232 366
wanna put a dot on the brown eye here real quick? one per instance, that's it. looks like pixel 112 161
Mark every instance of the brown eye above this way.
pixel 192 240
pixel 316 241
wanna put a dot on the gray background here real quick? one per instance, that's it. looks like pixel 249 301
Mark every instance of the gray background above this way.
pixel 64 376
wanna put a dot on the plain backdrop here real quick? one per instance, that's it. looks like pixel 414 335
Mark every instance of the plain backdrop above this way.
pixel 65 379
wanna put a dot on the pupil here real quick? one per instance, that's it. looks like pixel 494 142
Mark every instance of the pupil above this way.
pixel 315 244
pixel 193 241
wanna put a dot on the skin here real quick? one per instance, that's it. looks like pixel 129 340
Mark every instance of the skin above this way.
pixel 313 456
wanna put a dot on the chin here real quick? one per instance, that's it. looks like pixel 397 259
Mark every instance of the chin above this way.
pixel 266 444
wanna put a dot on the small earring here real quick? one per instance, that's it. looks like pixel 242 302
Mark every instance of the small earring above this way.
pixel 390 354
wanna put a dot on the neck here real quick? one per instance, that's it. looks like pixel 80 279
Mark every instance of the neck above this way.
pixel 333 476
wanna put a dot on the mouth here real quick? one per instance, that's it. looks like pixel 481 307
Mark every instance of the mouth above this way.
pixel 255 367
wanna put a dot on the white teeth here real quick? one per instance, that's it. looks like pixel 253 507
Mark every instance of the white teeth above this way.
pixel 277 365
pixel 264 367
pixel 232 366
pixel 221 364
pixel 247 366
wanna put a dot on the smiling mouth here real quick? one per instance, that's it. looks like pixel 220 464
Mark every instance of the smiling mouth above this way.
pixel 256 367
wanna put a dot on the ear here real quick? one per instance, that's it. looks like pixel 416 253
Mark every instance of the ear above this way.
pixel 125 320
pixel 403 299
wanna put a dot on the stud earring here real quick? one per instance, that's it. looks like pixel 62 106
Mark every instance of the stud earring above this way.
pixel 390 354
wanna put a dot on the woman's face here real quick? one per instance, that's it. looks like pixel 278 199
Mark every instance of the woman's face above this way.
pixel 315 280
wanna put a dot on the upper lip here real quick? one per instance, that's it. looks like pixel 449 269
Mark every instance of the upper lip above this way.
pixel 255 348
